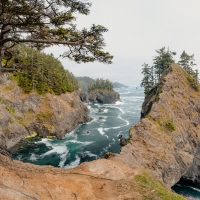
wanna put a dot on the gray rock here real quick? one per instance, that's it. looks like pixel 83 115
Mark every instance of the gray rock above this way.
pixel 99 96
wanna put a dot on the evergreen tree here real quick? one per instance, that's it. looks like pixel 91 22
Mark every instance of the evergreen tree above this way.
pixel 101 84
pixel 148 80
pixel 187 62
pixel 50 22
pixel 162 61
pixel 41 72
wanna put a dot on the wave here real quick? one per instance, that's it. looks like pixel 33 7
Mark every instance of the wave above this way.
pixel 45 141
pixel 127 122
pixel 34 157
pixel 194 188
pixel 56 149
pixel 101 131
pixel 73 163
pixel 119 103
pixel 88 153
pixel 63 159
pixel 78 142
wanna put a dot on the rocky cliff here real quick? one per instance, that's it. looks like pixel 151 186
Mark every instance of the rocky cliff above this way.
pixel 163 147
pixel 100 96
pixel 167 139
pixel 47 115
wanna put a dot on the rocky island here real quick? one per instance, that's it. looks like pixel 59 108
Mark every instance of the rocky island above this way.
pixel 100 91
pixel 163 148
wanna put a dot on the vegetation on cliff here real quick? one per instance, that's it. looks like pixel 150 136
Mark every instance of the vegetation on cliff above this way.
pixel 50 22
pixel 101 84
pixel 84 81
pixel 41 72
pixel 161 62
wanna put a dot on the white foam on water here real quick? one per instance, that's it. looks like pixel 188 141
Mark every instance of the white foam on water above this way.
pixel 45 141
pixel 56 149
pixel 107 136
pixel 34 157
pixel 73 164
pixel 119 103
pixel 101 131
pixel 63 158
pixel 127 122
pixel 78 142
pixel 88 153
pixel 194 188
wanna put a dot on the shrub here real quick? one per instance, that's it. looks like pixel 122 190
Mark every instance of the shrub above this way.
pixel 170 126
pixel 193 82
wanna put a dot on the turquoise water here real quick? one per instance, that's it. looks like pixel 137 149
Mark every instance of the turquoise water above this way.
pixel 187 190
pixel 92 140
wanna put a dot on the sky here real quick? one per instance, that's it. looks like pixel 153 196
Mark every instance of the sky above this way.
pixel 136 29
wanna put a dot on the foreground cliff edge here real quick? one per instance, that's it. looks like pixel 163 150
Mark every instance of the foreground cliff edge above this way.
pixel 163 147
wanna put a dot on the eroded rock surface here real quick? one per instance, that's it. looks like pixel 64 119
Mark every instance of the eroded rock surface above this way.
pixel 100 96
pixel 21 114
pixel 167 140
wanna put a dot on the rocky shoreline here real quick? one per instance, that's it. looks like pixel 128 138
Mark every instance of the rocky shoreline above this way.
pixel 47 115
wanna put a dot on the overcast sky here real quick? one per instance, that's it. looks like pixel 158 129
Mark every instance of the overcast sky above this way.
pixel 136 29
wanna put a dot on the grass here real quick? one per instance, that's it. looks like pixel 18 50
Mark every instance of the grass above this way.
pixel 152 189
pixel 193 83
pixel 8 88
pixel 44 116
pixel 170 126
pixel 10 109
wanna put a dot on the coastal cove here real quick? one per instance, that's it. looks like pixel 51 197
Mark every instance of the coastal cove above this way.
pixel 92 140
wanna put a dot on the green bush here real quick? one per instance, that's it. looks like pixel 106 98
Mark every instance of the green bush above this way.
pixel 193 82
pixel 170 126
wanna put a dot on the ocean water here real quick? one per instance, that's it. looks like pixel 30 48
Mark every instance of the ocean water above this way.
pixel 91 140
pixel 189 191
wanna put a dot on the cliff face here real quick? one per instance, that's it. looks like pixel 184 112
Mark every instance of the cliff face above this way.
pixel 23 114
pixel 167 140
pixel 100 96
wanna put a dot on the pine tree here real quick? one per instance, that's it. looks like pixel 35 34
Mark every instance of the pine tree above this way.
pixel 148 80
pixel 163 61
pixel 187 62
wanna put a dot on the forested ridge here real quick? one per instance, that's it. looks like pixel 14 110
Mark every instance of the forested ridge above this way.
pixel 101 84
pixel 41 72
pixel 161 62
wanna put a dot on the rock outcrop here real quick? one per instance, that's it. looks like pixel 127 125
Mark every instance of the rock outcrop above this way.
pixel 167 139
pixel 22 114
pixel 100 96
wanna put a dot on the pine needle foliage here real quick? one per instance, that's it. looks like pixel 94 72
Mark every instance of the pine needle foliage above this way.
pixel 42 72
pixel 101 84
